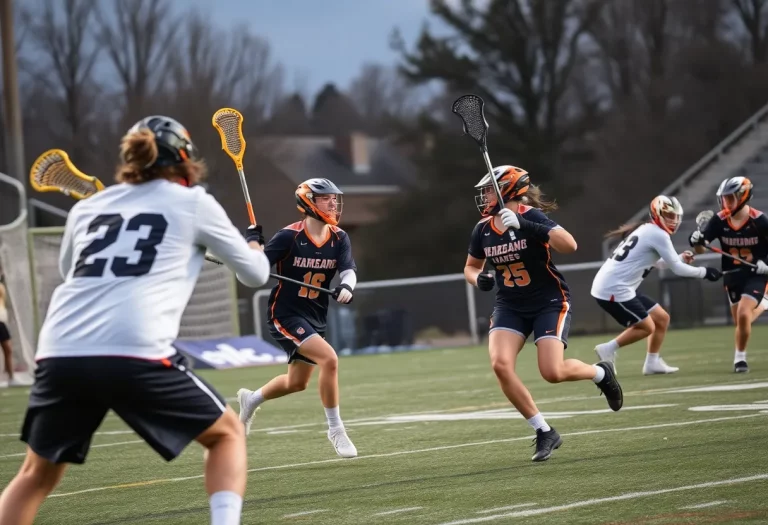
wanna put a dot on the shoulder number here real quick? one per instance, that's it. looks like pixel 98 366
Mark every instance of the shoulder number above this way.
pixel 622 250
pixel 120 265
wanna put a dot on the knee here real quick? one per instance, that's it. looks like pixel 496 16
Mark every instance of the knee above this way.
pixel 42 473
pixel 647 326
pixel 661 320
pixel 227 427
pixel 297 385
pixel 330 363
pixel 553 374
pixel 501 367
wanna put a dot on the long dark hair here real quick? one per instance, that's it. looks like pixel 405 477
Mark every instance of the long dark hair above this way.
pixel 139 150
pixel 535 197
pixel 625 229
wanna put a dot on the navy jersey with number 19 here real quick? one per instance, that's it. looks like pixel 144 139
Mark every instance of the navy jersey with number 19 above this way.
pixel 301 258
pixel 526 278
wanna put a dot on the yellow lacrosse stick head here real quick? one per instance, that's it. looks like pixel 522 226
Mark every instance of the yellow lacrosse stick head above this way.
pixel 229 123
pixel 54 171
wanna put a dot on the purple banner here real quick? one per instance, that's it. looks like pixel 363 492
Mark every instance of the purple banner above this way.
pixel 231 352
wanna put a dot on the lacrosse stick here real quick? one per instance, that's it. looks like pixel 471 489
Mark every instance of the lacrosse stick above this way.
pixel 702 219
pixel 470 109
pixel 53 171
pixel 213 259
pixel 229 123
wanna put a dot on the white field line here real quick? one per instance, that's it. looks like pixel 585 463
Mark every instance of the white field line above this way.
pixel 102 445
pixel 705 505
pixel 508 507
pixel 599 501
pixel 398 511
pixel 408 452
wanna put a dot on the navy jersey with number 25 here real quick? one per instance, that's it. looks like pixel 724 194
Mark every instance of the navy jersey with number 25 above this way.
pixel 526 278
pixel 304 259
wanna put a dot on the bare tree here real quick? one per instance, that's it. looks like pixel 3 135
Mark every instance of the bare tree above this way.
pixel 380 92
pixel 137 36
pixel 753 16
pixel 60 32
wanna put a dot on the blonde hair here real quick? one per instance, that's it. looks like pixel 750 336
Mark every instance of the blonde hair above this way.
pixel 138 150
pixel 623 230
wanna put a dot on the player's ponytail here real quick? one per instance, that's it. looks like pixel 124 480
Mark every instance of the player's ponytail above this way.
pixel 623 230
pixel 138 151
pixel 535 198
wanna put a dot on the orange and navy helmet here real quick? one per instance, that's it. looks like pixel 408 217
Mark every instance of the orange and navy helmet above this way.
pixel 305 200
pixel 174 144
pixel 513 184
pixel 741 187
pixel 666 213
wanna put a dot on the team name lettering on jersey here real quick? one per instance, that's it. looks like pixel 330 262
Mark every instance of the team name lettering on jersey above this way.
pixel 322 264
pixel 740 241
pixel 505 252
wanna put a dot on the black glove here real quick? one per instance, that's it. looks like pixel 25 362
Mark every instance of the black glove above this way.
pixel 254 233
pixel 537 231
pixel 696 239
pixel 713 274
pixel 485 282
pixel 338 289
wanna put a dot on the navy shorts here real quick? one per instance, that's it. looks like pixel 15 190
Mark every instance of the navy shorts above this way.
pixel 628 313
pixel 740 285
pixel 290 333
pixel 162 401
pixel 550 322
pixel 5 335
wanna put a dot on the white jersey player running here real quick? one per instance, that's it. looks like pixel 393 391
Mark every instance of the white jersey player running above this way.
pixel 130 257
pixel 644 246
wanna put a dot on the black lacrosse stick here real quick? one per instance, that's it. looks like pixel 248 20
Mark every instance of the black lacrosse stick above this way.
pixel 470 109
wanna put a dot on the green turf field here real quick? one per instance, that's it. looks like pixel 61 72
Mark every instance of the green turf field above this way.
pixel 439 444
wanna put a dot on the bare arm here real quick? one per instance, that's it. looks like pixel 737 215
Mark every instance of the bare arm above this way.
pixel 562 241
pixel 472 268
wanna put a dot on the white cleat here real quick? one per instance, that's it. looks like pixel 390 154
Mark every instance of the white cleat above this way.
pixel 658 367
pixel 20 381
pixel 342 444
pixel 607 355
pixel 246 409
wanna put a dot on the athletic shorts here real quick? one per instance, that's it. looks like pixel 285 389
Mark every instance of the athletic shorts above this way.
pixel 550 322
pixel 290 333
pixel 5 335
pixel 745 285
pixel 628 313
pixel 162 401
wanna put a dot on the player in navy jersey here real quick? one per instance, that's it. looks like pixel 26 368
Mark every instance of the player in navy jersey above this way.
pixel 312 251
pixel 532 295
pixel 743 232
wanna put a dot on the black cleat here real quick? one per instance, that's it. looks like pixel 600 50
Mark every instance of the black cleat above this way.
pixel 545 443
pixel 741 367
pixel 610 387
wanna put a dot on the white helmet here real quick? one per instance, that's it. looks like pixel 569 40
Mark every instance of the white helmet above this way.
pixel 666 213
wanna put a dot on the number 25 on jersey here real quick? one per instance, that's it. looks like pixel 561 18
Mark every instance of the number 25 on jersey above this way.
pixel 514 274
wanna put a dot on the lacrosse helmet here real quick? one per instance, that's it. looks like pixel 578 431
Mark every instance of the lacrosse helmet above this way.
pixel 513 184
pixel 666 213
pixel 174 144
pixel 741 187
pixel 305 200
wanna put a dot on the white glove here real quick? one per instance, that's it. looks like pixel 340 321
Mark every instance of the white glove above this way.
pixel 509 218
pixel 762 268
pixel 695 238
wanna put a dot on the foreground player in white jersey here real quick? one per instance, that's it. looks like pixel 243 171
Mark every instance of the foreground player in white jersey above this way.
pixel 615 285
pixel 130 257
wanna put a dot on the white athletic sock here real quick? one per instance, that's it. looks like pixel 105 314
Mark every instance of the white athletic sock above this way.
pixel 651 358
pixel 226 507
pixel 537 422
pixel 611 346
pixel 256 398
pixel 599 374
pixel 739 356
pixel 333 417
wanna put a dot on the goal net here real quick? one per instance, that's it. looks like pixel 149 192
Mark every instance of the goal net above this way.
pixel 212 310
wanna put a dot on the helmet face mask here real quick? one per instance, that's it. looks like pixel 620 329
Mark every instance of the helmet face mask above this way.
pixel 733 194
pixel 320 199
pixel 666 213
pixel 513 183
